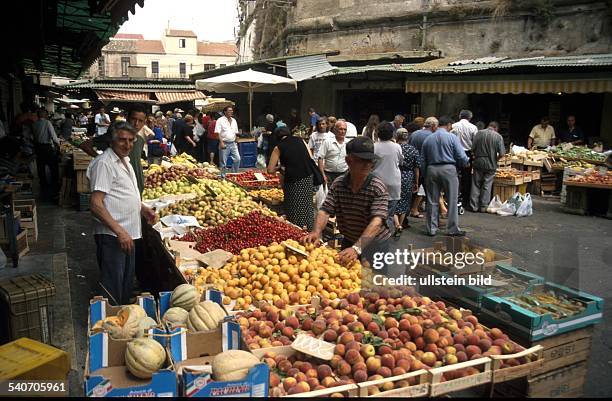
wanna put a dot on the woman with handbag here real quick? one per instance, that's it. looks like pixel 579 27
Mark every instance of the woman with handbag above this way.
pixel 299 176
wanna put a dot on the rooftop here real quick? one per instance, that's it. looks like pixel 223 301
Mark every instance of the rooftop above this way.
pixel 128 36
pixel 181 32
pixel 216 49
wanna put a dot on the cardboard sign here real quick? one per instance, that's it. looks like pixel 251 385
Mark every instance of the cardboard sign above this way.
pixel 313 347
pixel 260 177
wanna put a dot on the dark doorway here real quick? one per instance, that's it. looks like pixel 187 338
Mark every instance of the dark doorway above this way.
pixel 357 106
pixel 519 113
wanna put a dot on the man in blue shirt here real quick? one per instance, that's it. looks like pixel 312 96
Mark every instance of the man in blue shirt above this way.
pixel 314 117
pixel 442 154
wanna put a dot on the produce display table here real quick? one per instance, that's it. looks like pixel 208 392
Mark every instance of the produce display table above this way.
pixel 587 198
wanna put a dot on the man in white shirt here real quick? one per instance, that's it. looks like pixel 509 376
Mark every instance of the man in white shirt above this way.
pixel 465 131
pixel 102 121
pixel 117 207
pixel 542 135
pixel 332 154
pixel 227 129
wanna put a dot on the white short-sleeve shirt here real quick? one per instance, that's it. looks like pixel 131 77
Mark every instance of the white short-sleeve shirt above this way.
pixel 107 174
pixel 227 131
pixel 99 119
pixel 334 154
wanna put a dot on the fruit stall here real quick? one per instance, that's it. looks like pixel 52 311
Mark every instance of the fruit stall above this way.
pixel 241 308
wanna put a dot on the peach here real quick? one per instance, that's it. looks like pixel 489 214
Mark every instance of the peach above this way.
pixel 293 322
pixel 471 350
pixel 385 349
pixel 451 359
pixel 360 376
pixel 305 367
pixel 429 358
pixel 352 356
pixel 328 381
pixel 346 337
pixel 384 371
pixel 323 371
pixel 312 373
pixel 330 336
pixel 373 364
pixel 367 350
pixel 388 360
pixel 431 336
pixel 288 383
pixel 343 368
pixel 300 377
pixel 461 356
pixel 274 379
pixel 397 371
pixel 313 383
pixel 353 345
pixel 340 349
pixel 404 364
pixel 415 331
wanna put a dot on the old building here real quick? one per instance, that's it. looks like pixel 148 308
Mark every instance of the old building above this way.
pixel 511 61
pixel 176 55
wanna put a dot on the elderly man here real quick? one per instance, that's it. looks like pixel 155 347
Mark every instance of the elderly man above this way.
pixel 116 206
pixel 542 135
pixel 359 200
pixel 487 148
pixel 442 155
pixel 398 122
pixel 227 129
pixel 465 131
pixel 332 154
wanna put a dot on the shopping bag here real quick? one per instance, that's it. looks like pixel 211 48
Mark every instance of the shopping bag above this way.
pixel 320 195
pixel 516 199
pixel 261 161
pixel 507 209
pixel 526 208
pixel 494 205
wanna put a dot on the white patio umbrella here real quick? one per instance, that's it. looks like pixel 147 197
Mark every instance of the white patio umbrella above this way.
pixel 247 81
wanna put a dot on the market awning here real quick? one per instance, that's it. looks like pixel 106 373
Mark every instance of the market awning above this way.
pixel 302 68
pixel 518 86
pixel 124 96
pixel 174 97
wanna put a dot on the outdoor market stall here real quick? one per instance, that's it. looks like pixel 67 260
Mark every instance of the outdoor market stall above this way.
pixel 235 289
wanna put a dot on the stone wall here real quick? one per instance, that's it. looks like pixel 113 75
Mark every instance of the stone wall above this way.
pixel 456 27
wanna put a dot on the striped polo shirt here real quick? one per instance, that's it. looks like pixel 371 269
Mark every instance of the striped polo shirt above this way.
pixel 354 211
pixel 108 174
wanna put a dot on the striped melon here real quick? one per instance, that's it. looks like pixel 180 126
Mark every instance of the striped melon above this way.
pixel 185 296
pixel 144 356
pixel 175 317
pixel 205 316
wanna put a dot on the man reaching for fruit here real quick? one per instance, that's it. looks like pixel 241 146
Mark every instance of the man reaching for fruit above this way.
pixel 359 200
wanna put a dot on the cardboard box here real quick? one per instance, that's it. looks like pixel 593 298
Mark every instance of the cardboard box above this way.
pixel 107 376
pixel 192 355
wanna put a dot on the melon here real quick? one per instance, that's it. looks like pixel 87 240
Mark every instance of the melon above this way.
pixel 185 296
pixel 233 365
pixel 205 316
pixel 144 356
pixel 175 317
pixel 145 325
pixel 131 315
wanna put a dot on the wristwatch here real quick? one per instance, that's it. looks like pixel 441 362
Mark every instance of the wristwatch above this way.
pixel 357 249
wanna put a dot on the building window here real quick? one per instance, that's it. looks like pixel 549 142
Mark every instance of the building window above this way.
pixel 208 67
pixel 182 43
pixel 183 69
pixel 125 64
pixel 101 66
pixel 155 68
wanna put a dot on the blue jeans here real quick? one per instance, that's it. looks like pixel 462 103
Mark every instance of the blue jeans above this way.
pixel 231 149
pixel 117 269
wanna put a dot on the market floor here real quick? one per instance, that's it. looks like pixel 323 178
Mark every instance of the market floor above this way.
pixel 567 249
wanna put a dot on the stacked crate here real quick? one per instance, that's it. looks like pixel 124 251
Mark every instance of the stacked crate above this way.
pixel 81 161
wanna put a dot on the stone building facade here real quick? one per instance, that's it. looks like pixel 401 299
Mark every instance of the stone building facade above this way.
pixel 470 28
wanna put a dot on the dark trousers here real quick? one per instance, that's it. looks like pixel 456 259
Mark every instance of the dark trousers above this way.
pixel 331 177
pixel 465 179
pixel 116 269
pixel 46 156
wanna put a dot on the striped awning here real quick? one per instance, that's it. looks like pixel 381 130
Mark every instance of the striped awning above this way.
pixel 301 68
pixel 510 86
pixel 175 97
pixel 123 96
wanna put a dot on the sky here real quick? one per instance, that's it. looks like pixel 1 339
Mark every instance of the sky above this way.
pixel 211 20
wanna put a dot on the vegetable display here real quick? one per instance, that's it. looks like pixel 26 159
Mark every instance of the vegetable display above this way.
pixel 544 303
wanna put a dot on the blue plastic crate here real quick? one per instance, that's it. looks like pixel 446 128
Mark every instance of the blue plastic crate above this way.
pixel 532 326
pixel 247 148
pixel 470 296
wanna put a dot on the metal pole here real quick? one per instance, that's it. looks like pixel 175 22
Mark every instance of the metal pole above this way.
pixel 250 110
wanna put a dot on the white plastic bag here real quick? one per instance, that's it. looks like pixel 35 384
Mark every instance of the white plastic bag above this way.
pixel 261 161
pixel 507 209
pixel 494 205
pixel 516 199
pixel 526 208
pixel 320 195
pixel 421 191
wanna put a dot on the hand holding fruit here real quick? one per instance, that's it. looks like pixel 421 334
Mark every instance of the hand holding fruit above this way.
pixel 347 256
pixel 312 238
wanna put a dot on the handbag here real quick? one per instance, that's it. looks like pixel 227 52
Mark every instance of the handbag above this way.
pixel 317 177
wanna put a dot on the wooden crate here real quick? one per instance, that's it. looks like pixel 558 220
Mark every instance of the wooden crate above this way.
pixel 22 243
pixel 566 382
pixel 29 217
pixel 82 181
pixel 565 349
pixel 80 159
pixel 440 387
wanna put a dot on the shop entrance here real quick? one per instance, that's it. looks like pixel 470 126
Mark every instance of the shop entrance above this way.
pixel 517 114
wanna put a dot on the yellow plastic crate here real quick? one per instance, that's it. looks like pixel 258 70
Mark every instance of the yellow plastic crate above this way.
pixel 27 359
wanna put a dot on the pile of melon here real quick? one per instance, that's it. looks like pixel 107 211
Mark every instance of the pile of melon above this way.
pixel 187 310
pixel 131 322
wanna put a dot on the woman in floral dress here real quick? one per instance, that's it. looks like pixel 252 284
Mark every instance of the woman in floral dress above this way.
pixel 410 176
